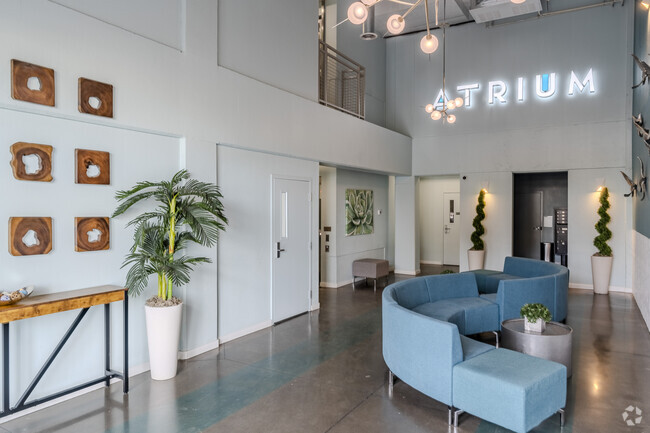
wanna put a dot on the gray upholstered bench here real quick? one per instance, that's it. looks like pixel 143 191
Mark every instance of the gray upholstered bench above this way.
pixel 369 268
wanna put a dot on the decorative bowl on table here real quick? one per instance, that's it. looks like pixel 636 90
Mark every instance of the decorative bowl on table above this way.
pixel 8 298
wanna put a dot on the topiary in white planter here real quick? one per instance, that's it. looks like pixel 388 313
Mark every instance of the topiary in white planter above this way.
pixel 601 262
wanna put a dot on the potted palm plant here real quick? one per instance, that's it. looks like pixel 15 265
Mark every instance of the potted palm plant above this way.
pixel 476 254
pixel 188 211
pixel 601 262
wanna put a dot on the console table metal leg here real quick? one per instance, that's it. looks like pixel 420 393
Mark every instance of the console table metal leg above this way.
pixel 561 417
pixel 5 367
pixel 107 343
pixel 125 381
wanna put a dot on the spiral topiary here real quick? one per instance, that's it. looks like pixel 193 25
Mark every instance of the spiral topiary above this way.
pixel 478 227
pixel 604 234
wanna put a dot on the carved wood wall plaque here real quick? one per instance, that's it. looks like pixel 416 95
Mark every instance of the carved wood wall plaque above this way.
pixel 93 167
pixel 40 90
pixel 30 235
pixel 102 95
pixel 42 160
pixel 92 234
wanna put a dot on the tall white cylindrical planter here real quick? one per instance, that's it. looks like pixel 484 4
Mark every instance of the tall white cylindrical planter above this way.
pixel 163 333
pixel 475 259
pixel 601 270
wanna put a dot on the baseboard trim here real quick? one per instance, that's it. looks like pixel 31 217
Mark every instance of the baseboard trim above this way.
pixel 429 262
pixel 328 285
pixel 187 354
pixel 617 289
pixel 315 307
pixel 403 272
pixel 246 331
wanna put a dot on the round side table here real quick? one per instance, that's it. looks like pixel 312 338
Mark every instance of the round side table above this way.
pixel 553 344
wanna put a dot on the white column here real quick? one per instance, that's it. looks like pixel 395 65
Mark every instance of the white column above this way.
pixel 407 238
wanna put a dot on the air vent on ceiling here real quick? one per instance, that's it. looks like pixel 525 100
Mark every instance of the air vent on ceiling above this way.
pixel 493 10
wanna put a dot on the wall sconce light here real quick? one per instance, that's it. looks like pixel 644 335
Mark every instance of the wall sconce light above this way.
pixel 600 184
pixel 645 4
pixel 485 186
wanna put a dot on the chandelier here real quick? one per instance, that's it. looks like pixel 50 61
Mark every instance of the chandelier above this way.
pixel 358 13
pixel 446 105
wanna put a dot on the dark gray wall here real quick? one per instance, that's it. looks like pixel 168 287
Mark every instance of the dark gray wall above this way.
pixel 641 105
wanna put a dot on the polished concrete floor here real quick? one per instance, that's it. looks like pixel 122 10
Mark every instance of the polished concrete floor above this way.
pixel 324 372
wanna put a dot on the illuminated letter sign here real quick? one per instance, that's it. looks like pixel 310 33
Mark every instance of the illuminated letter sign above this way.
pixel 545 85
pixel 498 94
pixel 589 79
pixel 467 88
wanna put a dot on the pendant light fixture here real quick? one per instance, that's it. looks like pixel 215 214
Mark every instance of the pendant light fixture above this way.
pixel 447 104
pixel 358 13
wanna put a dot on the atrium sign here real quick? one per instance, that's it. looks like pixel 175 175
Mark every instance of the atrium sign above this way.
pixel 546 86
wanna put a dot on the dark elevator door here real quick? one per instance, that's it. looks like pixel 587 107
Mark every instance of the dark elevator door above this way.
pixel 528 224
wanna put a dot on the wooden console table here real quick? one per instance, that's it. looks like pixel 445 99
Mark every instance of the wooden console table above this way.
pixel 55 303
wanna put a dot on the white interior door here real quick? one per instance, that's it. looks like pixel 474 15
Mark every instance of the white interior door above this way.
pixel 451 231
pixel 290 248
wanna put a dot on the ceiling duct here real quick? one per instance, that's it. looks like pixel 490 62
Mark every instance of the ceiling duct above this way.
pixel 368 28
pixel 493 10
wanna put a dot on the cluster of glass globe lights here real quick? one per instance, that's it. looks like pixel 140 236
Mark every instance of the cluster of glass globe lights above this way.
pixel 358 13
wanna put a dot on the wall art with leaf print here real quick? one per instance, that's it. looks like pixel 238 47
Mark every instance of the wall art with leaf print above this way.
pixel 358 212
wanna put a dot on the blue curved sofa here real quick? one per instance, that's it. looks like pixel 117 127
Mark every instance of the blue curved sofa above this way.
pixel 423 345
pixel 525 281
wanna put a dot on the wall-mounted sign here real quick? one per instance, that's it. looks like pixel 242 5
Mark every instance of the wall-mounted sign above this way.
pixel 543 86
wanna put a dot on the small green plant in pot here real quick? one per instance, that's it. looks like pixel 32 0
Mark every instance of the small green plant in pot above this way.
pixel 535 317
pixel 476 254
pixel 187 211
pixel 601 262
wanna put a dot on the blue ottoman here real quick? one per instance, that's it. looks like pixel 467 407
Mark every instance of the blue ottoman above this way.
pixel 508 388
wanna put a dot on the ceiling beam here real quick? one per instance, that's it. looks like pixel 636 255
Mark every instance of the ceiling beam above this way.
pixel 463 9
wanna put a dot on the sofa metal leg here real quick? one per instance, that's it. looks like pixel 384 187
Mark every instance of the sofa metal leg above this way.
pixel 561 417
pixel 496 333
pixel 453 415
pixel 375 285
pixel 391 382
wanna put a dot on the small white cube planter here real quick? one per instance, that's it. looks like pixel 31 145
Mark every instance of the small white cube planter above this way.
pixel 537 326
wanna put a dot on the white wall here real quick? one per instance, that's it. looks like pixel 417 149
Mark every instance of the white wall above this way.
pixel 498 216
pixel 580 131
pixel 264 41
pixel 63 268
pixel 407 225
pixel 351 248
pixel 171 108
pixel 328 218
pixel 432 216
pixel 244 250
pixel 583 205
pixel 641 245
pixel 164 23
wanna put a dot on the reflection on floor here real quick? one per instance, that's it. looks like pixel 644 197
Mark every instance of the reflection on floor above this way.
pixel 324 372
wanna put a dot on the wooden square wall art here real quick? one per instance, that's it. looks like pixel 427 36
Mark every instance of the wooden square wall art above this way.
pixel 93 167
pixel 95 98
pixel 32 83
pixel 31 161
pixel 30 235
pixel 92 234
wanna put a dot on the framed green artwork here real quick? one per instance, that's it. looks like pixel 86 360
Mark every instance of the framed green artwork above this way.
pixel 358 212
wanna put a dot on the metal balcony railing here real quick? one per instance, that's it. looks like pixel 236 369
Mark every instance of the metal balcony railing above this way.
pixel 341 81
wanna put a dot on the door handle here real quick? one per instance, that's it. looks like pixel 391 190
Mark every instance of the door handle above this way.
pixel 538 228
pixel 279 250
